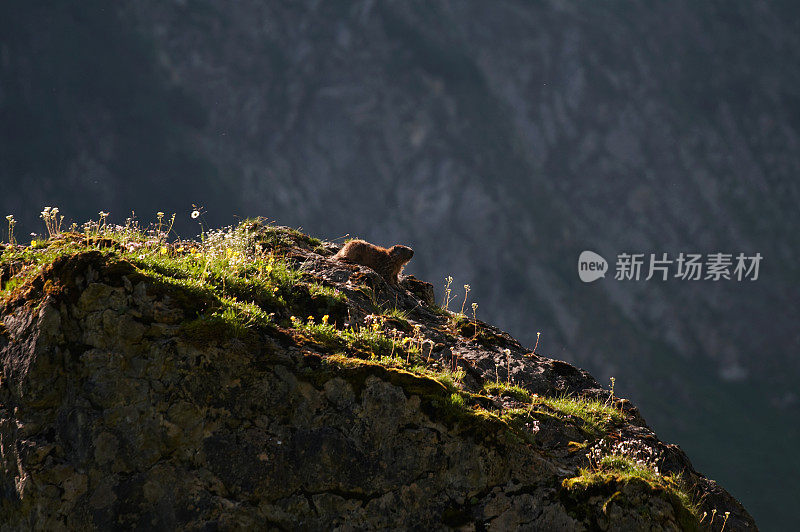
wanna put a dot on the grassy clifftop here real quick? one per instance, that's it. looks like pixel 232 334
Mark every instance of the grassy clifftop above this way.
pixel 246 378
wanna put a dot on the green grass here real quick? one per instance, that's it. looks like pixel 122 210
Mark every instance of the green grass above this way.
pixel 370 340
pixel 238 262
pixel 456 400
pixel 382 308
pixel 25 263
pixel 233 319
pixel 284 236
pixel 615 470
pixel 507 390
pixel 450 378
pixel 397 314
pixel 594 416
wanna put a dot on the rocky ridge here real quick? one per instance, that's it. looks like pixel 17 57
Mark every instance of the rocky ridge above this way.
pixel 249 380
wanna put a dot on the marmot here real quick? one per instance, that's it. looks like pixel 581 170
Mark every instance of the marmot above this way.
pixel 387 262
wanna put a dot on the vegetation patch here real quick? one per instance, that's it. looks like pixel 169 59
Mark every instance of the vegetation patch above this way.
pixel 593 416
pixel 596 416
pixel 230 262
pixel 356 371
pixel 367 341
pixel 503 389
pixel 19 265
pixel 274 238
pixel 617 479
pixel 231 319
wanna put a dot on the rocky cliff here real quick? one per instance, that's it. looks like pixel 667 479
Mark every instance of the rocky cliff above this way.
pixel 251 381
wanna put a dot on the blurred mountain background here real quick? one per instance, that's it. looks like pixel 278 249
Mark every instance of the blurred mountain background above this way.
pixel 498 139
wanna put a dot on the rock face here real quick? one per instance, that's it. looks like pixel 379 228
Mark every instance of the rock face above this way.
pixel 118 411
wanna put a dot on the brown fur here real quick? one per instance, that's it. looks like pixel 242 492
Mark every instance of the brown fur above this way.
pixel 387 262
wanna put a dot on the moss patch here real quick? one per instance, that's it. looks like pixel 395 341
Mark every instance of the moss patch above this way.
pixel 618 480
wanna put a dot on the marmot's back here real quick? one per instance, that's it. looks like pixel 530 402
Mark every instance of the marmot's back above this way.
pixel 387 262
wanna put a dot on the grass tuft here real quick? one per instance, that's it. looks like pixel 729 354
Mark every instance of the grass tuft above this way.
pixel 613 471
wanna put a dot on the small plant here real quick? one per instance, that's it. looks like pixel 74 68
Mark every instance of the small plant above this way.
pixel 727 514
pixel 466 293
pixel 51 220
pixel 431 345
pixel 449 377
pixel 101 224
pixel 508 365
pixel 235 319
pixel 413 342
pixel 610 399
pixel 447 298
pixel 457 400
pixel 160 216
pixel 397 314
pixel 538 334
pixel 11 223
pixel 164 229
pixel 475 319
pixel 196 214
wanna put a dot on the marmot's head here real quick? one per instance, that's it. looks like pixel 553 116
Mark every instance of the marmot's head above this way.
pixel 402 254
